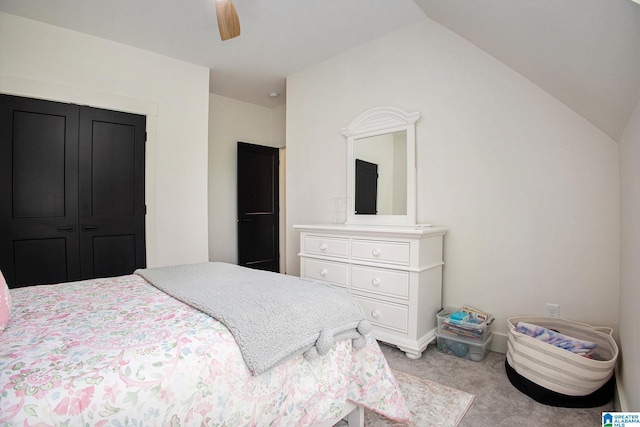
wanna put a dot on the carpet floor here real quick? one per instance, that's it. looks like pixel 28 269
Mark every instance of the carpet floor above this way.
pixel 497 403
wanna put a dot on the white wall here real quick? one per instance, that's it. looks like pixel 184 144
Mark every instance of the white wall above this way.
pixel 528 188
pixel 42 61
pixel 231 121
pixel 629 367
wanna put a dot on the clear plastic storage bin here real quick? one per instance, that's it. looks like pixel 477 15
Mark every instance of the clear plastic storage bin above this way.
pixel 474 330
pixel 461 347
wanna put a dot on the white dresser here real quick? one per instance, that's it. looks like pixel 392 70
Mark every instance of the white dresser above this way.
pixel 395 273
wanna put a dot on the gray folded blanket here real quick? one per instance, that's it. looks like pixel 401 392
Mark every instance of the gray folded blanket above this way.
pixel 272 316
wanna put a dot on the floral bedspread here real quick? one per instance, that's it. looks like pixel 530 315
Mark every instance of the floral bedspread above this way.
pixel 117 351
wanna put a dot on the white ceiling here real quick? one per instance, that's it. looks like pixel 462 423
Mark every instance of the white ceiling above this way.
pixel 584 52
pixel 278 37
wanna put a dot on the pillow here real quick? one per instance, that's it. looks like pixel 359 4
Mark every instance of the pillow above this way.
pixel 5 303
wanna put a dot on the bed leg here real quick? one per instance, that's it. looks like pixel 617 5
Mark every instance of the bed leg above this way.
pixel 352 415
pixel 356 417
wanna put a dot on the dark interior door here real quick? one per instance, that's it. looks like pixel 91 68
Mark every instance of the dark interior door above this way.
pixel 366 188
pixel 71 192
pixel 111 192
pixel 38 191
pixel 258 210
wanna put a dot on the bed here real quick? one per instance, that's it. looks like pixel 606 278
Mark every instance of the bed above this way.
pixel 119 351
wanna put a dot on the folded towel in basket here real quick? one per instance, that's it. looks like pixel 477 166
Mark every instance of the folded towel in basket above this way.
pixel 557 339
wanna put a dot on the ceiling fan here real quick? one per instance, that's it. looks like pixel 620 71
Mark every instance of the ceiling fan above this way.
pixel 228 22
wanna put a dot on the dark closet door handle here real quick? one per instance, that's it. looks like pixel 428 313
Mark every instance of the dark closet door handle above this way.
pixel 90 227
pixel 66 228
pixel 245 220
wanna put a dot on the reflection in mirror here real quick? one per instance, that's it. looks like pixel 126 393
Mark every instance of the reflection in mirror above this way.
pixel 381 171
pixel 381 174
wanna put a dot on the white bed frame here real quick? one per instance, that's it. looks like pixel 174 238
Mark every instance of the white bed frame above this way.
pixel 353 414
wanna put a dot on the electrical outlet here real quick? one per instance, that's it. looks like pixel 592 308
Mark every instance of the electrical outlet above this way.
pixel 552 310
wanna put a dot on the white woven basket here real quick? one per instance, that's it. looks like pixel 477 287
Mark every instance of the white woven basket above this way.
pixel 558 369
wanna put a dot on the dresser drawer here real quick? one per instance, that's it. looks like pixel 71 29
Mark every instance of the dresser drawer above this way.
pixel 331 246
pixel 374 250
pixel 327 271
pixel 381 281
pixel 388 315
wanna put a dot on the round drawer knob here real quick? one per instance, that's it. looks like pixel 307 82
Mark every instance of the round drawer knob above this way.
pixel 376 282
pixel 375 314
pixel 376 252
pixel 323 272
pixel 323 247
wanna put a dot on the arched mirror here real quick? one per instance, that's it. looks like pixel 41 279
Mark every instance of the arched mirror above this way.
pixel 381 173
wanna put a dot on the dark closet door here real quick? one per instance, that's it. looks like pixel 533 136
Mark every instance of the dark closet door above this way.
pixel 71 192
pixel 111 192
pixel 38 191
pixel 258 208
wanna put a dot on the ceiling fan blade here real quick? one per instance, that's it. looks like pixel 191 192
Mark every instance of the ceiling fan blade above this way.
pixel 228 22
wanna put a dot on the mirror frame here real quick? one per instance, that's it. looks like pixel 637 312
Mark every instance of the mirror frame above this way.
pixel 381 121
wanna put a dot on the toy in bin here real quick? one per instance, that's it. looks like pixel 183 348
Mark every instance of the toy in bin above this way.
pixel 463 348
pixel 459 316
pixel 467 322
pixel 458 348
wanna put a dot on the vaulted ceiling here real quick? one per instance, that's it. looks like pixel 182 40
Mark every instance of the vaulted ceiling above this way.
pixel 586 53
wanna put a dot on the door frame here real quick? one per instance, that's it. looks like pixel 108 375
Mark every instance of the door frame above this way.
pixel 81 96
pixel 275 154
pixel 282 171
